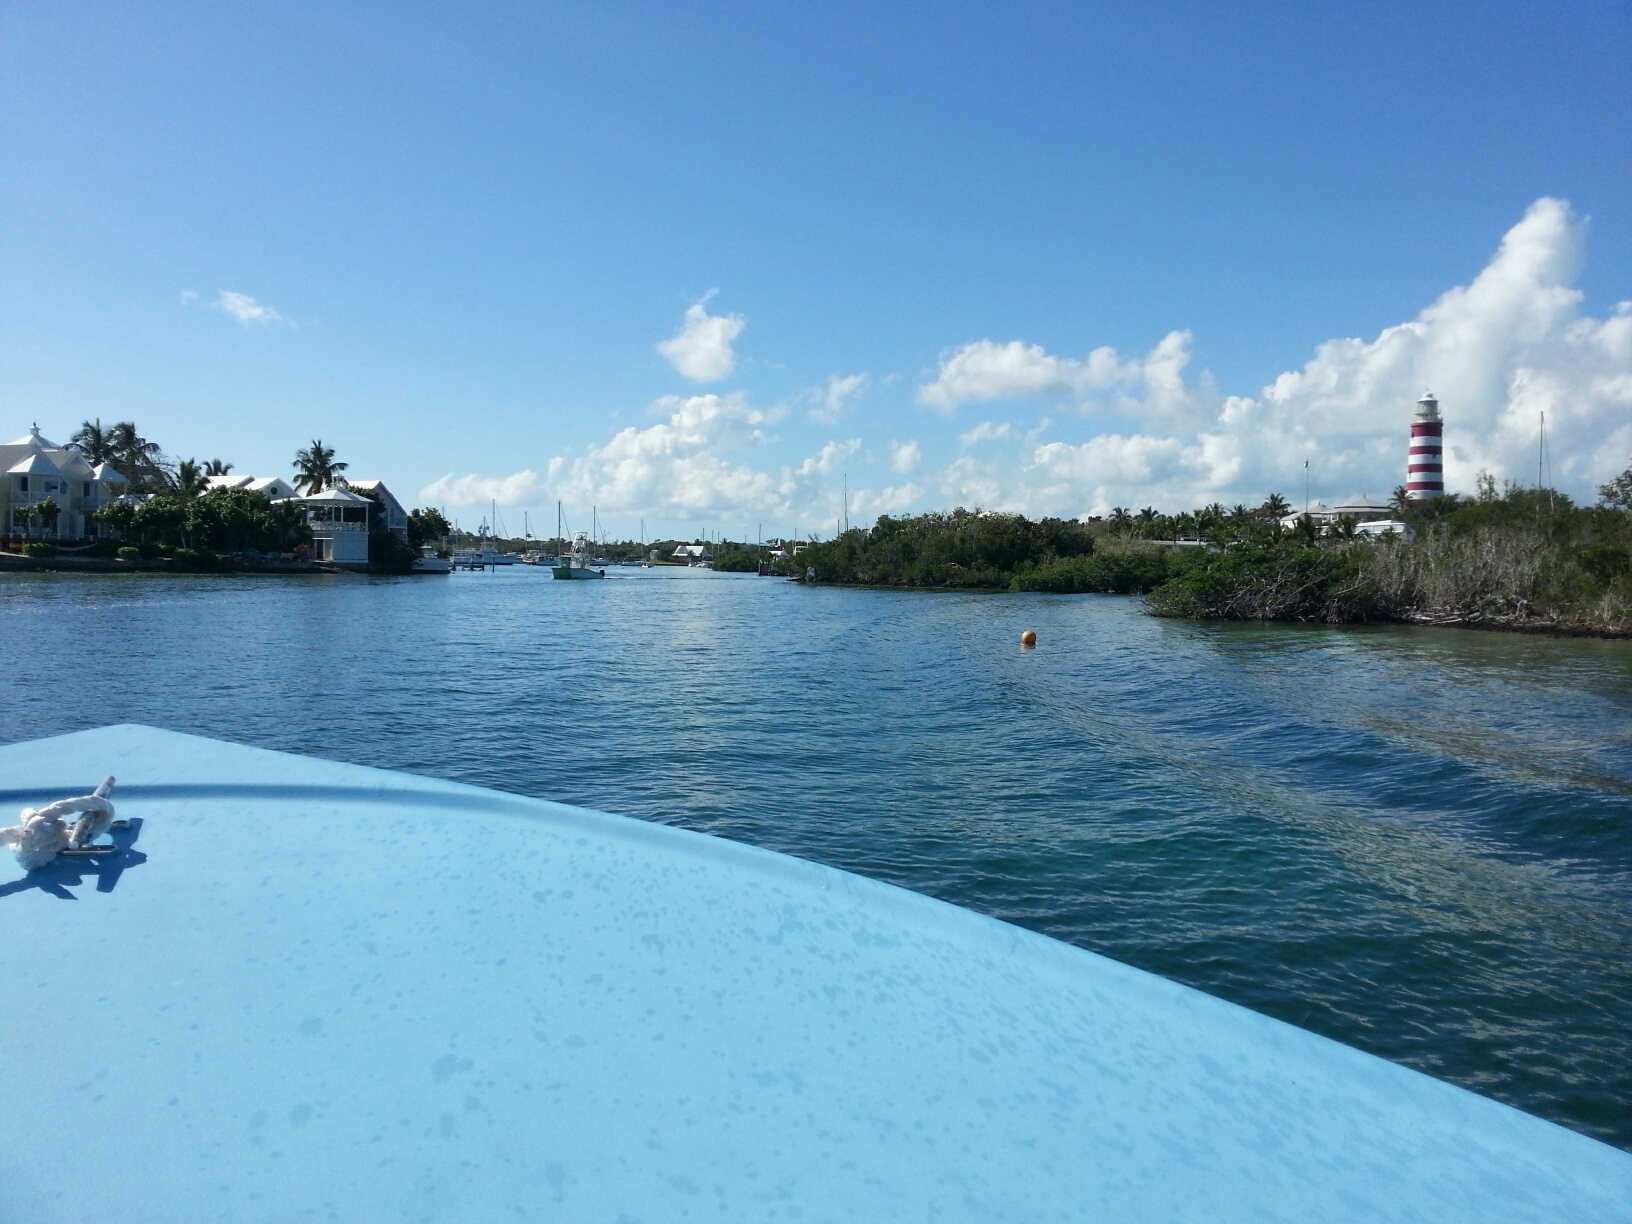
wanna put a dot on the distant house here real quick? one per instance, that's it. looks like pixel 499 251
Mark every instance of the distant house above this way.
pixel 276 488
pixel 396 518
pixel 339 522
pixel 36 469
pixel 692 553
pixel 1361 509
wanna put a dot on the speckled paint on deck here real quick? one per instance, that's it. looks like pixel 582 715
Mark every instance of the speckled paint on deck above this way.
pixel 322 991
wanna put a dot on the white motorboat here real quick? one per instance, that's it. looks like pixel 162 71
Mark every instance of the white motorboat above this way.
pixel 429 563
pixel 576 563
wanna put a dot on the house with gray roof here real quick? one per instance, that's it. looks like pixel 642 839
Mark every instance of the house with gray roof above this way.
pixel 33 469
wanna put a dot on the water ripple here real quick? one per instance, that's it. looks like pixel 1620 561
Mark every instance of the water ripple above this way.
pixel 1415 841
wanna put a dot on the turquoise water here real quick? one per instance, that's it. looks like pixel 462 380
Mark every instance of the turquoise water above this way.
pixel 1418 842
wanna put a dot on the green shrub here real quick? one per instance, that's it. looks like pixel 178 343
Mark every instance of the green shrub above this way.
pixel 1134 570
pixel 127 553
pixel 963 548
pixel 743 560
pixel 1281 582
pixel 35 548
pixel 196 558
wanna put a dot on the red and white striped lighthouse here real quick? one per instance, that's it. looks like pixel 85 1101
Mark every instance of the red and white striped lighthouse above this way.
pixel 1425 466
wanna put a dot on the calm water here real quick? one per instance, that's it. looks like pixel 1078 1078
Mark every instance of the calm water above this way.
pixel 1415 841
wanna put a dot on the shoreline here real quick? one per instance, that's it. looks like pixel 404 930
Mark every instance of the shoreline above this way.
pixel 1419 620
pixel 1425 620
pixel 16 563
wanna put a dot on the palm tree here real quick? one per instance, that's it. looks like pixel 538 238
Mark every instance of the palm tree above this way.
pixel 137 458
pixel 1275 507
pixel 316 469
pixel 1121 519
pixel 94 442
pixel 1400 501
pixel 216 468
pixel 46 513
pixel 191 480
pixel 1618 492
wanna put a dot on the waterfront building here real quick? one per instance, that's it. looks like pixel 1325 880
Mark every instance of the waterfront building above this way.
pixel 1425 464
pixel 35 469
pixel 275 488
pixel 339 522
pixel 395 517
pixel 691 554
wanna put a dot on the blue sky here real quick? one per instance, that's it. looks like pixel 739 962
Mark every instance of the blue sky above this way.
pixel 450 240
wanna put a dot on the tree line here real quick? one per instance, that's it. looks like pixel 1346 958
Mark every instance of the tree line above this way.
pixel 177 511
pixel 1520 557
pixel 1515 557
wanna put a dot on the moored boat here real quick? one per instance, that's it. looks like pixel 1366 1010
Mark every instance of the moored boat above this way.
pixel 481 558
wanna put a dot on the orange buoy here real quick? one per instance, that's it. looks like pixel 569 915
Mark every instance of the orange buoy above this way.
pixel 1028 638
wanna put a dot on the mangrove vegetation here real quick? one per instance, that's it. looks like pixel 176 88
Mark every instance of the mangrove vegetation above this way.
pixel 1520 558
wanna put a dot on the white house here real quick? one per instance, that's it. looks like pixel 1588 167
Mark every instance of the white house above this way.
pixel 339 522
pixel 396 518
pixel 691 554
pixel 1362 509
pixel 35 469
pixel 276 488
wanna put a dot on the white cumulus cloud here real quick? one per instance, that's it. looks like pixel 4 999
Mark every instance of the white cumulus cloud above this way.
pixel 244 308
pixel 826 461
pixel 1498 352
pixel 515 489
pixel 986 370
pixel 986 431
pixel 701 350
pixel 866 503
pixel 676 466
pixel 695 464
pixel 1152 386
pixel 905 456
pixel 834 397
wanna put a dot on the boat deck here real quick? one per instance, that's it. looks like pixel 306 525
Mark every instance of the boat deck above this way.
pixel 303 989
